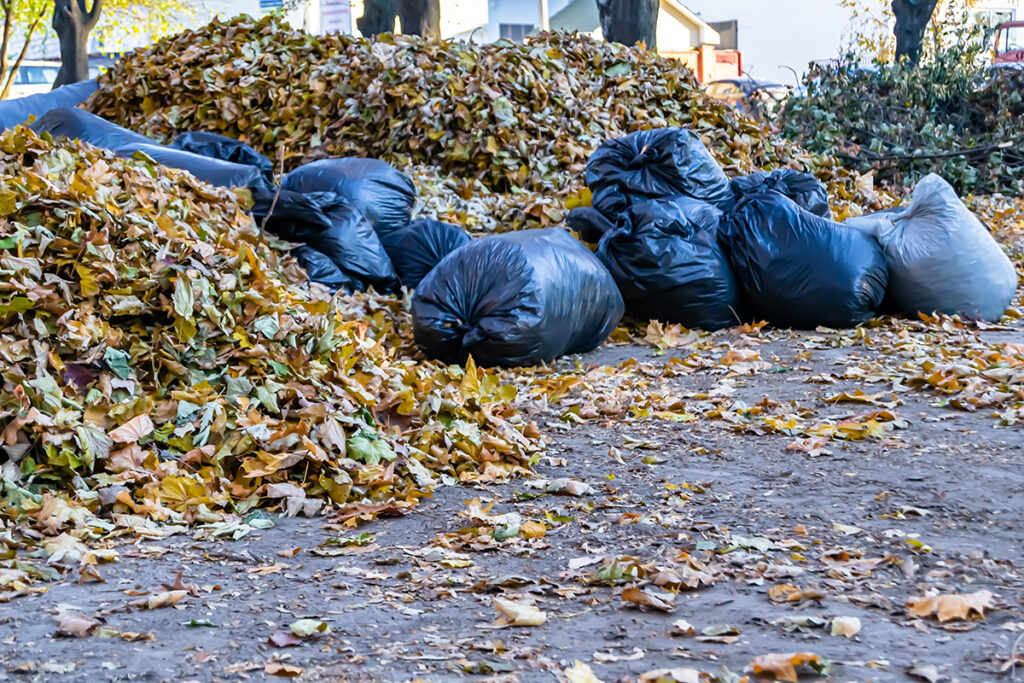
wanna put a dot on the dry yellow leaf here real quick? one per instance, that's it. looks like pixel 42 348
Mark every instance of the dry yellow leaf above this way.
pixel 783 666
pixel 519 613
pixel 951 606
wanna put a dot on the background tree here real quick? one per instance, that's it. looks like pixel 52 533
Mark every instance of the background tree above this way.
pixel 418 17
pixel 912 17
pixel 73 21
pixel 122 25
pixel 630 21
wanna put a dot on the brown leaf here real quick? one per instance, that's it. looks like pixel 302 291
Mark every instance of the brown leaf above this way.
pixel 783 666
pixel 952 606
pixel 285 670
pixel 133 430
pixel 664 602
pixel 281 638
pixel 75 625
pixel 366 511
pixel 176 585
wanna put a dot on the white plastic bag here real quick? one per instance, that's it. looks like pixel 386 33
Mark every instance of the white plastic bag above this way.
pixel 940 257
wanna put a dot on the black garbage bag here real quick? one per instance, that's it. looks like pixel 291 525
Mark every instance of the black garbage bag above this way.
pixel 320 268
pixel 665 258
pixel 224 148
pixel 421 245
pixel 79 124
pixel 799 270
pixel 519 298
pixel 654 164
pixel 213 171
pixel 16 111
pixel 590 223
pixel 384 195
pixel 808 192
pixel 331 226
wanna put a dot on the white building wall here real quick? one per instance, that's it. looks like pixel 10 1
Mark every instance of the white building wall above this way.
pixel 516 12
pixel 783 33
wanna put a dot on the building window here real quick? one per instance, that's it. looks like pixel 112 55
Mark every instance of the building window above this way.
pixel 514 32
pixel 991 18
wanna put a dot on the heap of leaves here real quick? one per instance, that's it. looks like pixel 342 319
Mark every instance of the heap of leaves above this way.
pixel 952 115
pixel 501 117
pixel 159 365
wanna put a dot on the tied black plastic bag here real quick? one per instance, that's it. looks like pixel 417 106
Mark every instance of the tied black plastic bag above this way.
pixel 384 195
pixel 515 299
pixel 665 258
pixel 81 125
pixel 19 110
pixel 807 191
pixel 940 256
pixel 213 171
pixel 800 270
pixel 590 223
pixel 224 148
pixel 421 245
pixel 655 164
pixel 332 226
pixel 320 268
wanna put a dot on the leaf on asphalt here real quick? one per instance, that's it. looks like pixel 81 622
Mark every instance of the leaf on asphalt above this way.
pixel 681 627
pixel 178 585
pixel 281 638
pixel 845 626
pixel 75 625
pixel 783 666
pixel 951 606
pixel 282 669
pixel 678 675
pixel 928 673
pixel 517 613
pixel 664 602
pixel 581 673
pixel 162 599
pixel 304 628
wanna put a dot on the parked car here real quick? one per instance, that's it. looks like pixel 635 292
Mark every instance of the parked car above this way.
pixel 750 96
pixel 1009 48
pixel 34 76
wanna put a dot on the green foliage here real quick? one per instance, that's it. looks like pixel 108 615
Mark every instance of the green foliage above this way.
pixel 952 115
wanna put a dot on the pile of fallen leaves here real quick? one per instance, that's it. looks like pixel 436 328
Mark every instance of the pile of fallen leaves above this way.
pixel 158 366
pixel 501 117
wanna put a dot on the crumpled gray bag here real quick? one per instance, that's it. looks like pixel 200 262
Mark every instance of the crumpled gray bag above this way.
pixel 940 256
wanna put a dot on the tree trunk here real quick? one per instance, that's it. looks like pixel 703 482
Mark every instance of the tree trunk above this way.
pixel 72 21
pixel 420 17
pixel 378 17
pixel 630 21
pixel 912 17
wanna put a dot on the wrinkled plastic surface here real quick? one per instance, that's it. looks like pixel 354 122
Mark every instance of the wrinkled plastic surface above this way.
pixel 224 148
pixel 589 223
pixel 421 245
pixel 516 299
pixel 384 195
pixel 799 270
pixel 320 268
pixel 332 226
pixel 213 171
pixel 655 164
pixel 940 256
pixel 807 191
pixel 665 258
pixel 18 110
pixel 81 125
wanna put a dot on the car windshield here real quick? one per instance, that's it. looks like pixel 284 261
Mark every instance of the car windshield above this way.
pixel 1011 39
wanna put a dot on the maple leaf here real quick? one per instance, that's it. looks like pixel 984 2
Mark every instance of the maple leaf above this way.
pixel 783 666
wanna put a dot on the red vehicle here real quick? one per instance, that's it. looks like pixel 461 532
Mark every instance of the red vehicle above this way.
pixel 1009 43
